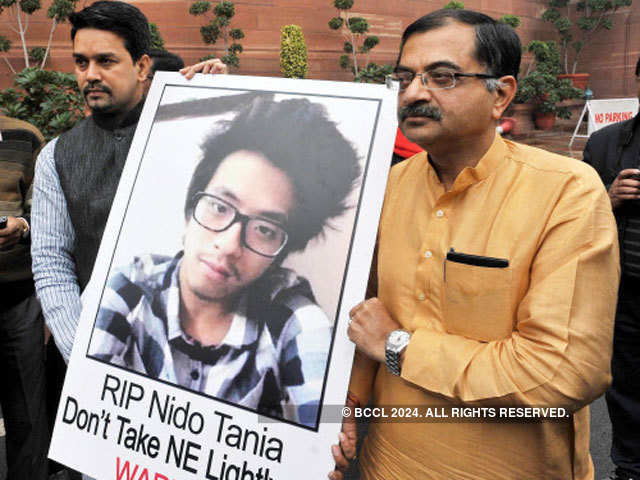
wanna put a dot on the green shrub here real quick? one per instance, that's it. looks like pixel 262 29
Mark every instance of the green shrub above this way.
pixel 293 52
pixel 343 4
pixel 373 73
pixel 156 38
pixel 37 54
pixel 357 42
pixel 336 23
pixel 512 20
pixel 47 99
pixel 584 21
pixel 453 5
pixel 541 86
pixel 219 26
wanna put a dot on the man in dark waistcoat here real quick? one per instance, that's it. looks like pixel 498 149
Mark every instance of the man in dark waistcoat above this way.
pixel 79 171
pixel 614 152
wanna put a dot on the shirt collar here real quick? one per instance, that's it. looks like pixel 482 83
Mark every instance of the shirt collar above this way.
pixel 489 163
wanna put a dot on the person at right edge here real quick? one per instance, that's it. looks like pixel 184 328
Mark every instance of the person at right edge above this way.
pixel 497 274
pixel 614 152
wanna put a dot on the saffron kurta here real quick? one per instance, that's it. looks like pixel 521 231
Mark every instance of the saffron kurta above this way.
pixel 535 332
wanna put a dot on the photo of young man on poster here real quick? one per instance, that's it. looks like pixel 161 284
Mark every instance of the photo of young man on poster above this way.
pixel 222 316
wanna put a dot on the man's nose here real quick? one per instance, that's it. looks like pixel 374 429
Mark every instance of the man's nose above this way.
pixel 415 91
pixel 229 241
pixel 93 72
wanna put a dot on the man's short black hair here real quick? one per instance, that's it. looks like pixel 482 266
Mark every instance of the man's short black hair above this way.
pixel 638 68
pixel 297 137
pixel 162 60
pixel 123 19
pixel 498 46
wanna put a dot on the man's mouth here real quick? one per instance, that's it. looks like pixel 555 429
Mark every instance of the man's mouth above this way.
pixel 217 270
pixel 95 91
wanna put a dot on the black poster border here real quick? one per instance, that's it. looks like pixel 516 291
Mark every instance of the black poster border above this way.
pixel 348 259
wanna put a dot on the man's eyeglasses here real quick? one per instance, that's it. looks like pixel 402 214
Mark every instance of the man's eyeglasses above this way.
pixel 261 236
pixel 433 79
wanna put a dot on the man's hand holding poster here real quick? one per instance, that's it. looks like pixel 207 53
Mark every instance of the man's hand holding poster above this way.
pixel 212 342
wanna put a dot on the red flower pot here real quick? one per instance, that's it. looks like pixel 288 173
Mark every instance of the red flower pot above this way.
pixel 544 121
pixel 578 80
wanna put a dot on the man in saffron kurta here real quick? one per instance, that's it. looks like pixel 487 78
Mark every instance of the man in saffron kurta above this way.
pixel 498 263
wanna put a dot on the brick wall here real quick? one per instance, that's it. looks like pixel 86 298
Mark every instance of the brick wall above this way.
pixel 261 21
pixel 611 58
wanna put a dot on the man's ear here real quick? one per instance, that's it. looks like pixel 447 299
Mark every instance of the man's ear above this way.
pixel 504 95
pixel 144 67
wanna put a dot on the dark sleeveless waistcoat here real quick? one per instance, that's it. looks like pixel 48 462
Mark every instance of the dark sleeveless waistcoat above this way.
pixel 89 159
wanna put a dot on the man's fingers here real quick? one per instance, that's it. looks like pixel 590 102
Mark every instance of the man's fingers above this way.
pixel 624 189
pixel 628 196
pixel 188 72
pixel 335 475
pixel 354 310
pixel 629 182
pixel 350 332
pixel 218 66
pixel 628 172
pixel 341 462
pixel 349 426
pixel 348 446
pixel 11 230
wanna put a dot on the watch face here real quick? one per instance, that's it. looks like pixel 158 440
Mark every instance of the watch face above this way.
pixel 397 337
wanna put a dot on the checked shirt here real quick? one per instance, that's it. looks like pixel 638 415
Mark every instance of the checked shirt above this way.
pixel 272 359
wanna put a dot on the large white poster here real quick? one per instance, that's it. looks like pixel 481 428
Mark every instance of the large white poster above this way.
pixel 212 342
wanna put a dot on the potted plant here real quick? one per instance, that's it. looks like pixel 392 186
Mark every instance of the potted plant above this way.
pixel 589 16
pixel 541 86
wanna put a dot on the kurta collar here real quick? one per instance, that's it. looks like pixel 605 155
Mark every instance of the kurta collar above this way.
pixel 489 163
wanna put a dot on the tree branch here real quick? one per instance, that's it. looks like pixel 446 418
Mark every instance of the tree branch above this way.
pixel 23 39
pixel 9 64
pixel 54 24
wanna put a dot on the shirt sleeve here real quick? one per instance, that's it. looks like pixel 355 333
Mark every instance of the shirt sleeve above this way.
pixel 303 361
pixel 28 182
pixel 112 339
pixel 560 349
pixel 52 241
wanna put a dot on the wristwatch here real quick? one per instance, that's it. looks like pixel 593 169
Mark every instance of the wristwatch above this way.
pixel 396 343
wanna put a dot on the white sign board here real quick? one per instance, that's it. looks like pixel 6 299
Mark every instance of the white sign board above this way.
pixel 212 342
pixel 607 111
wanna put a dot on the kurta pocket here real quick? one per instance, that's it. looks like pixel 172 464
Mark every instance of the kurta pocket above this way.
pixel 478 301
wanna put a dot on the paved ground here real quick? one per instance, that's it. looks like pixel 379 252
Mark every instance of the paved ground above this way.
pixel 600 427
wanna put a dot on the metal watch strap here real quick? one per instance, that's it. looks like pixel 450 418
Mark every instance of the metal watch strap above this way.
pixel 392 352
pixel 393 362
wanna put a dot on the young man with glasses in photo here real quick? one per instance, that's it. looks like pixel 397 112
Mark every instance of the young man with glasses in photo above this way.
pixel 223 316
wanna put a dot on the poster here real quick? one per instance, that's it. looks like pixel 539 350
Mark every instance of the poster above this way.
pixel 212 342
pixel 607 111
